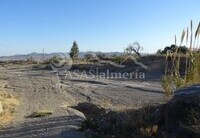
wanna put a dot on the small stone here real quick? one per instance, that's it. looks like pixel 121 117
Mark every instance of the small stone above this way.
pixel 44 87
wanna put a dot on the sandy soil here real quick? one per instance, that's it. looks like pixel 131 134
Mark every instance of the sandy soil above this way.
pixel 44 90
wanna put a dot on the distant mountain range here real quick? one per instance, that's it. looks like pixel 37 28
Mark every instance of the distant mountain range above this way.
pixel 40 56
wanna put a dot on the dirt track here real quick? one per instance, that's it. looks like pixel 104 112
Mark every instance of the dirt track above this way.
pixel 43 90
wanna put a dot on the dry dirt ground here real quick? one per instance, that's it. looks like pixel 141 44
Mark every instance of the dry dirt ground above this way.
pixel 43 90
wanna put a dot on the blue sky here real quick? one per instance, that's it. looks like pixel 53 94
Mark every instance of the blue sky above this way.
pixel 97 25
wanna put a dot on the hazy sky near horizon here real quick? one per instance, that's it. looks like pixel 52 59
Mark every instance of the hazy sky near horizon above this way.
pixel 97 25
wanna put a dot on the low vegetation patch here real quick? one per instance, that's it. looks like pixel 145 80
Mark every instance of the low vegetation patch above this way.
pixel 8 104
pixel 40 114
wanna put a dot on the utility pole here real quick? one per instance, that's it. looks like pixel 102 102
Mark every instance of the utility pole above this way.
pixel 43 55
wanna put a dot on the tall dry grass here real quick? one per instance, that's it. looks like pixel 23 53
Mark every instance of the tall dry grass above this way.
pixel 173 78
pixel 8 103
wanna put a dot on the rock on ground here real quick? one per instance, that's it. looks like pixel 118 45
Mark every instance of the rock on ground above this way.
pixel 181 115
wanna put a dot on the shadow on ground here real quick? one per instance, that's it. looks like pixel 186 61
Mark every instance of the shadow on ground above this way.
pixel 177 118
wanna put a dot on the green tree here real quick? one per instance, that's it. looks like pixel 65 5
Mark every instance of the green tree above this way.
pixel 172 49
pixel 159 52
pixel 74 51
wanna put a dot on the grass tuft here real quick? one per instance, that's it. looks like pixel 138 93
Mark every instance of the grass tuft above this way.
pixel 174 77
pixel 40 114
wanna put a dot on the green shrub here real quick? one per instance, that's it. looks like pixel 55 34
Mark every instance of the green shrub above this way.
pixel 56 59
pixel 118 59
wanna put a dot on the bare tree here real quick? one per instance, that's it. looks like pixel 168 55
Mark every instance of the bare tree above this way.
pixel 134 48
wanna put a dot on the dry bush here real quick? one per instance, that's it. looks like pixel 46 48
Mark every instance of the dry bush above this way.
pixel 8 103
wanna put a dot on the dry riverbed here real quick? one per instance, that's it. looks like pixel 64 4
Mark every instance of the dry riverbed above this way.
pixel 43 90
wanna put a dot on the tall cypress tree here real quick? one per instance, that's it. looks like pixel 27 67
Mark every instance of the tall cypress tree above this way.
pixel 74 51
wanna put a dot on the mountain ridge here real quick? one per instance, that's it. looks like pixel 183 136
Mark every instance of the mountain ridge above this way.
pixel 45 56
